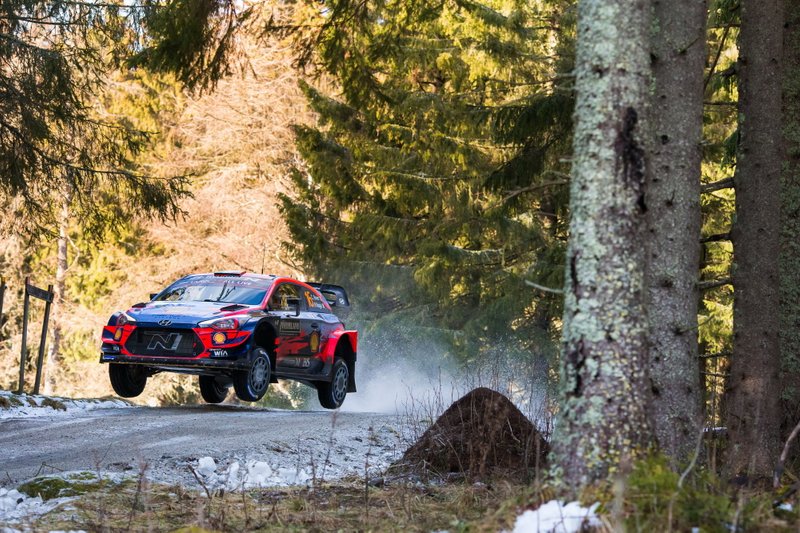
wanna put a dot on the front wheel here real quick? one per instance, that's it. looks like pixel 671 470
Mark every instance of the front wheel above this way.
pixel 211 390
pixel 251 384
pixel 127 381
pixel 331 395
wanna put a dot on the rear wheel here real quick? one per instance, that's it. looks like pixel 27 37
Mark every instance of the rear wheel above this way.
pixel 251 384
pixel 331 395
pixel 211 390
pixel 127 381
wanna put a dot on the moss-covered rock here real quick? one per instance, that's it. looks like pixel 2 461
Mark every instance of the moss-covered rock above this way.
pixel 72 484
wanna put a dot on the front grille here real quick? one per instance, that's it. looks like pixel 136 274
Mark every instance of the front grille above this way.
pixel 164 342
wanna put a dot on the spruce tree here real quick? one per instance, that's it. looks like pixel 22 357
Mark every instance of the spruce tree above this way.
pixel 434 182
pixel 752 398
pixel 605 392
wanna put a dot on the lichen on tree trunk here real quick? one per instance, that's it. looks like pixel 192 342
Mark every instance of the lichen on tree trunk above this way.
pixel 673 223
pixel 604 385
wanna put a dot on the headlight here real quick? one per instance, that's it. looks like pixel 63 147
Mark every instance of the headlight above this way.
pixel 220 323
pixel 124 318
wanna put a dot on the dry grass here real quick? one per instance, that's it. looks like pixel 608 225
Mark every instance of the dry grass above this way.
pixel 344 506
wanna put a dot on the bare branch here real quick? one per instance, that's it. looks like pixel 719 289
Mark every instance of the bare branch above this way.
pixel 713 284
pixel 542 288
pixel 714 355
pixel 727 183
pixel 716 57
pixel 779 467
pixel 716 237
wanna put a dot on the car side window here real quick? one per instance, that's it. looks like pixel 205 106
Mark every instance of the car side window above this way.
pixel 284 297
pixel 314 302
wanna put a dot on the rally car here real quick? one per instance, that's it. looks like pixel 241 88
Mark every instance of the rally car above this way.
pixel 236 329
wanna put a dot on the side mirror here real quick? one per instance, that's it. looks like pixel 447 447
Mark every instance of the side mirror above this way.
pixel 153 295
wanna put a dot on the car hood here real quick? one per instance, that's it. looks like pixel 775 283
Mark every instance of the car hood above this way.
pixel 183 313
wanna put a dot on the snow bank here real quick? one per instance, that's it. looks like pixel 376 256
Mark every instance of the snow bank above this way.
pixel 253 474
pixel 15 506
pixel 29 405
pixel 556 517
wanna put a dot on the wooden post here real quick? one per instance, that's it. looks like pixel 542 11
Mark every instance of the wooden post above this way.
pixel 2 294
pixel 43 342
pixel 24 351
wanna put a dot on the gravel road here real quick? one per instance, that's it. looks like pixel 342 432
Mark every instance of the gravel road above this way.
pixel 169 441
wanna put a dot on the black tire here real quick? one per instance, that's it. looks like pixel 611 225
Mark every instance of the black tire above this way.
pixel 211 390
pixel 127 381
pixel 251 384
pixel 331 395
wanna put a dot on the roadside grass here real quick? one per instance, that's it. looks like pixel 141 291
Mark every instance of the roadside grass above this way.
pixel 347 505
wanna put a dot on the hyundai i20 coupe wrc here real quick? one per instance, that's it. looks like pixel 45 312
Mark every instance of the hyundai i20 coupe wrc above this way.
pixel 236 329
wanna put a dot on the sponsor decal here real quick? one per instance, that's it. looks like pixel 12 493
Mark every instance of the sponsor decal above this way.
pixel 168 342
pixel 289 327
pixel 219 353
pixel 313 342
pixel 109 358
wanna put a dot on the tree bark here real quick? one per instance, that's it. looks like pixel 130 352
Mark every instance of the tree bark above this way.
pixel 790 223
pixel 753 388
pixel 604 387
pixel 673 222
pixel 53 350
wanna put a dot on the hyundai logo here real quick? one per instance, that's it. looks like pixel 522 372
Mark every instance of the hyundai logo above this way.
pixel 164 322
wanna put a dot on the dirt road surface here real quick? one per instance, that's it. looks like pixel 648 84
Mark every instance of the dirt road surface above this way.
pixel 168 442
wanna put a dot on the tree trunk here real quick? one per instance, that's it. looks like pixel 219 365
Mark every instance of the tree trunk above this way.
pixel 673 222
pixel 604 385
pixel 53 350
pixel 753 388
pixel 790 223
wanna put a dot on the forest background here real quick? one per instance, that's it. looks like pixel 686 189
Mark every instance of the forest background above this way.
pixel 419 154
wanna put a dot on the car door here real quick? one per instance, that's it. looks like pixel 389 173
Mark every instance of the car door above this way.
pixel 317 321
pixel 285 302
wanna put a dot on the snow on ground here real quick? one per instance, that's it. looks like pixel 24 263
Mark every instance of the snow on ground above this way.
pixel 16 506
pixel 557 517
pixel 28 405
pixel 326 458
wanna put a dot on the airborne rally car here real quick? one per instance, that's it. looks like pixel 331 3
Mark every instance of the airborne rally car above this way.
pixel 239 329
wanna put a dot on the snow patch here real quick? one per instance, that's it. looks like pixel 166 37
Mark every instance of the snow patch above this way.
pixel 29 405
pixel 15 506
pixel 557 517
pixel 254 474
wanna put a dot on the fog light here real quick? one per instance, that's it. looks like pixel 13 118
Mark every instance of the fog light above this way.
pixel 118 334
pixel 219 338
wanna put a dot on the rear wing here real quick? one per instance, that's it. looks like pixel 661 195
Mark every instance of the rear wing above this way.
pixel 336 297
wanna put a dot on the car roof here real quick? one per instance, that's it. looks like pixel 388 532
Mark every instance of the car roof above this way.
pixel 266 279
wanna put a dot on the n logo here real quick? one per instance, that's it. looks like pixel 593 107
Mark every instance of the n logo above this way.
pixel 165 342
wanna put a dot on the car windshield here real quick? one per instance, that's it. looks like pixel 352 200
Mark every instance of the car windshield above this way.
pixel 244 291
